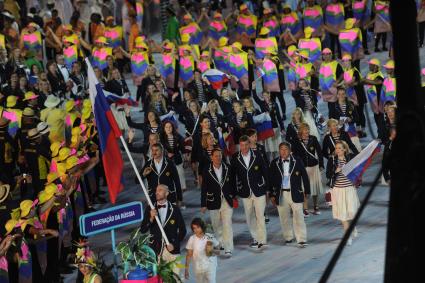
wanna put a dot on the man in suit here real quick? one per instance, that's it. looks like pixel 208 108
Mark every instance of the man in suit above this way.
pixel 172 223
pixel 161 170
pixel 217 193
pixel 251 172
pixel 288 177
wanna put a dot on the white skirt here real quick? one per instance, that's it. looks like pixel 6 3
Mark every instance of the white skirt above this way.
pixel 272 144
pixel 308 117
pixel 180 171
pixel 315 178
pixel 345 203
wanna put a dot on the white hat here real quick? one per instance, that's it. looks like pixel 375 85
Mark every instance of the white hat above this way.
pixel 50 2
pixel 52 101
pixel 43 128
pixel 9 15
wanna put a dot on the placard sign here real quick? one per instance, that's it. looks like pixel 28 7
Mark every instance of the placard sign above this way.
pixel 111 218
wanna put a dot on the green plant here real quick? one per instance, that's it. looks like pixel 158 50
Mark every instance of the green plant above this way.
pixel 166 272
pixel 136 252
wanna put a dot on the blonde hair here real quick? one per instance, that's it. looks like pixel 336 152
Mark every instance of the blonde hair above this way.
pixel 344 145
pixel 213 102
pixel 300 111
pixel 251 103
pixel 204 141
pixel 302 127
pixel 331 121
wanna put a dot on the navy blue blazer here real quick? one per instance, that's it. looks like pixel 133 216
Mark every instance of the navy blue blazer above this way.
pixel 298 179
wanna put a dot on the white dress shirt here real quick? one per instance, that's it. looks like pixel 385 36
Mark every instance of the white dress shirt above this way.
pixel 286 184
pixel 158 165
pixel 218 172
pixel 246 158
pixel 163 212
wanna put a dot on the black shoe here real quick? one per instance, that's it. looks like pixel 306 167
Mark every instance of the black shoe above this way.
pixel 100 200
pixel 377 50
pixel 289 242
pixel 267 219
pixel 284 117
pixel 260 246
pixel 254 244
pixel 366 52
pixel 384 49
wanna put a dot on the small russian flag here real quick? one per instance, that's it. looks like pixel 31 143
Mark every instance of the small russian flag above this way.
pixel 263 125
pixel 119 100
pixel 216 78
pixel 170 116
pixel 221 141
pixel 355 168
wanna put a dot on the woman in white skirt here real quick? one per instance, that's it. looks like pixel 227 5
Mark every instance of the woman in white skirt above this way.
pixel 173 143
pixel 306 99
pixel 200 250
pixel 345 200
pixel 268 105
pixel 307 148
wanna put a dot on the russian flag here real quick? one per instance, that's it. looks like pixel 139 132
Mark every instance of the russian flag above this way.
pixel 263 125
pixel 355 168
pixel 216 78
pixel 221 141
pixel 119 100
pixel 109 132
pixel 170 116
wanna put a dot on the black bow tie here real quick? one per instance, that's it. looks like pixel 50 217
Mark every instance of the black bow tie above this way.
pixel 159 206
pixel 285 160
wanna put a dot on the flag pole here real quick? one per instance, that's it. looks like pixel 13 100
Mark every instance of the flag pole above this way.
pixel 139 178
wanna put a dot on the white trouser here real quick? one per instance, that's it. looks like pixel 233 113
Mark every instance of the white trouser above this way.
pixel 205 276
pixel 180 171
pixel 221 220
pixel 254 212
pixel 284 209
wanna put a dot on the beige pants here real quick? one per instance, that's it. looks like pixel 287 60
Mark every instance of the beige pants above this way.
pixel 299 228
pixel 254 212
pixel 221 220
pixel 205 276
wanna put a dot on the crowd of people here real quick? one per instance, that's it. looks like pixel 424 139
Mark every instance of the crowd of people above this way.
pixel 212 96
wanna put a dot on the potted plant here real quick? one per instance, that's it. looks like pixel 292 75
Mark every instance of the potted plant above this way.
pixel 140 262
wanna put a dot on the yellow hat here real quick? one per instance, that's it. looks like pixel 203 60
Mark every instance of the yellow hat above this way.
pixel 69 105
pixel 291 49
pixel 304 53
pixel 25 207
pixel 375 61
pixel 85 113
pixel 54 148
pixel 346 57
pixel 76 131
pixel 243 7
pixel 264 31
pixel 51 177
pixel 326 51
pixel 32 25
pixel 205 53
pixel 28 112
pixel 87 103
pixel 10 225
pixel 185 38
pixel 237 45
pixel 141 44
pixel 168 46
pixel 29 95
pixel 61 167
pixel 308 31
pixel 223 41
pixel 67 27
pixel 349 23
pixel 101 39
pixel 286 6
pixel 64 153
pixel 11 101
pixel 48 192
pixel 71 162
pixel 109 18
pixel 33 134
pixel 389 64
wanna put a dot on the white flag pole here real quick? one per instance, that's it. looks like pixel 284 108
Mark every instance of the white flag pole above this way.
pixel 92 89
pixel 139 178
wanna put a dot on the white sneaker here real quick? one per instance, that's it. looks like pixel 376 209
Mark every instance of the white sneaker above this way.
pixel 355 233
pixel 350 242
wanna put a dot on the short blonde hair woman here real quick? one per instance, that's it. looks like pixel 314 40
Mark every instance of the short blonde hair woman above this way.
pixel 297 118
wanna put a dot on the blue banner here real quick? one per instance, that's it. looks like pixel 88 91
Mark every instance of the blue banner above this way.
pixel 111 218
